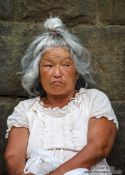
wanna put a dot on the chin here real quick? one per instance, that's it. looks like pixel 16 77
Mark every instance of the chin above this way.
pixel 58 92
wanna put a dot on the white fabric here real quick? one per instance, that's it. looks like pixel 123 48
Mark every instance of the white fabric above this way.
pixel 62 132
pixel 42 162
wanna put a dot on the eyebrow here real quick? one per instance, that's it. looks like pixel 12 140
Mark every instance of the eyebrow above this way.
pixel 65 58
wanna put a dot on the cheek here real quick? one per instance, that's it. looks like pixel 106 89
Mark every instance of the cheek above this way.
pixel 71 76
pixel 44 73
pixel 44 77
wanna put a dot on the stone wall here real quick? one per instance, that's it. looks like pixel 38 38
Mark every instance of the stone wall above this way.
pixel 101 26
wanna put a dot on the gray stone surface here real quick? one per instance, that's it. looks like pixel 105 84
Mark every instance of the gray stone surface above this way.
pixel 117 156
pixel 13 43
pixel 111 11
pixel 7 9
pixel 75 11
pixel 6 107
pixel 107 49
pixel 9 81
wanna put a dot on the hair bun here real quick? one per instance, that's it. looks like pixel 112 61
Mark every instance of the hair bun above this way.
pixel 53 24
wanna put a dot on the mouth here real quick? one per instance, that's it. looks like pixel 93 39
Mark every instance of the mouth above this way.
pixel 57 82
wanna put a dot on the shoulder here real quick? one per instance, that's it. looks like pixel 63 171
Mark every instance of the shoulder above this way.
pixel 94 96
pixel 92 93
pixel 27 104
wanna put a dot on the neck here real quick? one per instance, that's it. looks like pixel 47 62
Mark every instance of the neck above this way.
pixel 58 100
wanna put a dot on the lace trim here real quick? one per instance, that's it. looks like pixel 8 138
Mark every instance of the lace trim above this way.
pixel 109 117
pixel 56 111
pixel 10 127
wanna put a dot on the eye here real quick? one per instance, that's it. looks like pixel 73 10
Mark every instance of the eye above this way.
pixel 47 65
pixel 66 65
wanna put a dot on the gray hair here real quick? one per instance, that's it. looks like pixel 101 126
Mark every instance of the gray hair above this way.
pixel 55 35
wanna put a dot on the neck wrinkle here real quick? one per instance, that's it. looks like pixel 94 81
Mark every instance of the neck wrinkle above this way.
pixel 58 101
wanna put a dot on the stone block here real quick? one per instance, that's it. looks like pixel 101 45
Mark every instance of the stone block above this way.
pixel 111 11
pixel 74 12
pixel 117 156
pixel 7 9
pixel 13 43
pixel 107 50
pixel 6 108
pixel 6 28
pixel 9 80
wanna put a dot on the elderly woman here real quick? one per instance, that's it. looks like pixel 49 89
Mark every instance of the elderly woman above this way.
pixel 65 128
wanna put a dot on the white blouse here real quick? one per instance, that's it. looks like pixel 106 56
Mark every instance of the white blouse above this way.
pixel 62 132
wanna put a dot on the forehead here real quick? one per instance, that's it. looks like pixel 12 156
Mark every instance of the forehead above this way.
pixel 56 53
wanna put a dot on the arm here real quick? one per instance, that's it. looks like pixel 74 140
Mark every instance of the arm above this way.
pixel 15 153
pixel 101 135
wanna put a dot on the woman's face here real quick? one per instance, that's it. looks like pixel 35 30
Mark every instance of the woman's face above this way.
pixel 57 72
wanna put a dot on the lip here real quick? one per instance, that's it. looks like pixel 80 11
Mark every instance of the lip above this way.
pixel 56 82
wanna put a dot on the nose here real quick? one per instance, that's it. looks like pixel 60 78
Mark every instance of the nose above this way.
pixel 57 72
